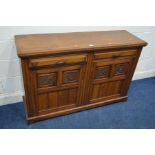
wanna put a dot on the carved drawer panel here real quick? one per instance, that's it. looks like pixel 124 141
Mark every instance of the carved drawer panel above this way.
pixel 103 72
pixel 120 69
pixel 45 80
pixel 71 76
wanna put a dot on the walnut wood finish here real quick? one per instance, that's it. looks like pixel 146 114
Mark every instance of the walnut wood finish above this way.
pixel 65 73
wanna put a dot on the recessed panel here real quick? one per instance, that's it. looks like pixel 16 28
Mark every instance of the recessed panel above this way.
pixel 46 80
pixel 71 76
pixel 103 72
pixel 57 99
pixel 107 89
pixel 120 69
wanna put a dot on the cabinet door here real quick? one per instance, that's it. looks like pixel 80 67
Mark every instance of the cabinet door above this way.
pixel 109 77
pixel 58 87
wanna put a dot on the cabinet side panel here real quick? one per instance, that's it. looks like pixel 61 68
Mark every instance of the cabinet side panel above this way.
pixel 132 70
pixel 30 107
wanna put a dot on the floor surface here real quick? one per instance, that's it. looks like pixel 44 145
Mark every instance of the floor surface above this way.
pixel 137 113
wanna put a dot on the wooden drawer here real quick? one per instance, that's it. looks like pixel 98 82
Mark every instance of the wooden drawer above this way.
pixel 115 54
pixel 58 61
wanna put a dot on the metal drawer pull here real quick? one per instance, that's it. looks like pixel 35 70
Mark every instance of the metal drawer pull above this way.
pixel 115 56
pixel 60 63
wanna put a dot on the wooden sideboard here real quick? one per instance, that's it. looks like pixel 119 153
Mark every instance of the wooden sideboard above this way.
pixel 70 72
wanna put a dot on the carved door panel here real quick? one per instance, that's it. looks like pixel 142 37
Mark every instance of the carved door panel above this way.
pixel 108 78
pixel 57 88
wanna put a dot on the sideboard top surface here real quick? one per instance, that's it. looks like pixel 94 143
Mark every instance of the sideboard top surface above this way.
pixel 43 44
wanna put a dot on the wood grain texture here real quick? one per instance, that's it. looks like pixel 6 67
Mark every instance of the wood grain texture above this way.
pixel 57 61
pixel 61 78
pixel 41 44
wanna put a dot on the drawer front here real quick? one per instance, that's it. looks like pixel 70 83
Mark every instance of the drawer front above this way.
pixel 58 61
pixel 58 87
pixel 115 54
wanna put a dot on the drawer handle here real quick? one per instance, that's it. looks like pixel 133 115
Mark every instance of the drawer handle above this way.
pixel 115 56
pixel 60 63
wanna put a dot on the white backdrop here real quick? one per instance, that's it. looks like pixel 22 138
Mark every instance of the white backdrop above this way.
pixel 11 89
